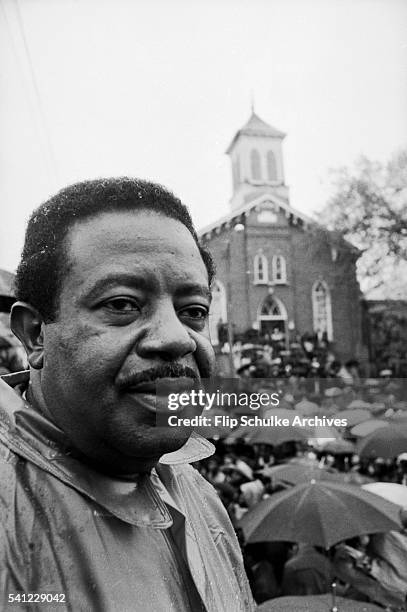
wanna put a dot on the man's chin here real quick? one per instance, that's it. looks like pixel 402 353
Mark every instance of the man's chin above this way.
pixel 155 442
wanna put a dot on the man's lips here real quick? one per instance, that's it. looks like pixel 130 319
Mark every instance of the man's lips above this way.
pixel 153 395
pixel 160 385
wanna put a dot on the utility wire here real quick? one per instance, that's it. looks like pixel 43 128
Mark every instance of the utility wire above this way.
pixel 49 151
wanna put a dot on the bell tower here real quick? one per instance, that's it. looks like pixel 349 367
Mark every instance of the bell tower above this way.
pixel 257 162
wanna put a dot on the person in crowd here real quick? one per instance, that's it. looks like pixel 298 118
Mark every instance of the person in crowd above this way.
pixel 388 560
pixel 262 579
pixel 98 505
pixel 308 572
pixel 353 567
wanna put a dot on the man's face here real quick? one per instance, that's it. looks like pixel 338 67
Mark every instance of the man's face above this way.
pixel 135 298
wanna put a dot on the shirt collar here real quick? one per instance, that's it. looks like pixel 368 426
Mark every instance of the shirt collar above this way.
pixel 32 436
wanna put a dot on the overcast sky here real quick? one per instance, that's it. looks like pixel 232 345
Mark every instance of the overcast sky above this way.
pixel 157 89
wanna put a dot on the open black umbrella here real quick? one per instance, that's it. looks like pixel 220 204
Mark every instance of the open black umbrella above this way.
pixel 321 513
pixel 293 474
pixel 387 442
pixel 315 603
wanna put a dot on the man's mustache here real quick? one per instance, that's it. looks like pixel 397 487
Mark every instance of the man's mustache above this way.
pixel 170 370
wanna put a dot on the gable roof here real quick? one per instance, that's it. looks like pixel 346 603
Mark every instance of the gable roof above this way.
pixel 256 127
pixel 246 208
pixel 298 218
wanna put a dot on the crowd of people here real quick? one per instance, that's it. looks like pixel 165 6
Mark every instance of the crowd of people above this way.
pixel 366 568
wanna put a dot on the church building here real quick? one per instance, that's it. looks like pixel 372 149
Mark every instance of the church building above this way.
pixel 278 271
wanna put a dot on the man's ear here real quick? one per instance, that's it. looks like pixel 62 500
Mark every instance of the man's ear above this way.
pixel 27 324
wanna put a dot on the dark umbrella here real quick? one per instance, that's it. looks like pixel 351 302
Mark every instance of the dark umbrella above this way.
pixel 293 474
pixel 367 427
pixel 320 513
pixel 354 416
pixel 276 435
pixel 387 442
pixel 315 603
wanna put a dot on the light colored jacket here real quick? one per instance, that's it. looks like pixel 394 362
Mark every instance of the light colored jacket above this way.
pixel 108 544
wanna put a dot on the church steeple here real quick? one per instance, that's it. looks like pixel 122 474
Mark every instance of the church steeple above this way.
pixel 257 161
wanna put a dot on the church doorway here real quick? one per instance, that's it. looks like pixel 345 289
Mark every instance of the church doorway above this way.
pixel 272 319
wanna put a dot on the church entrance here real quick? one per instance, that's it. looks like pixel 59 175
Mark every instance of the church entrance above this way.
pixel 272 320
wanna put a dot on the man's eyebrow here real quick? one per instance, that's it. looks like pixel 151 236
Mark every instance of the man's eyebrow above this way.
pixel 194 288
pixel 123 278
pixel 144 283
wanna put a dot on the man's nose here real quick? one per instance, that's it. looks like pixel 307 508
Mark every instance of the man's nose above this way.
pixel 166 336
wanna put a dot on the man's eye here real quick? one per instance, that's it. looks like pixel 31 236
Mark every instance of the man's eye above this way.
pixel 199 313
pixel 122 305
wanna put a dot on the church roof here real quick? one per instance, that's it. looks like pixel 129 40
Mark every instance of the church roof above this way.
pixel 248 206
pixel 256 127
pixel 298 218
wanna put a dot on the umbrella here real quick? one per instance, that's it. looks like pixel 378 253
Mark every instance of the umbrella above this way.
pixel 320 513
pixel 293 474
pixel 240 433
pixel 276 435
pixel 281 413
pixel 307 408
pixel 277 432
pixel 338 447
pixel 360 404
pixel 399 417
pixel 354 416
pixel 386 442
pixel 321 435
pixel 213 432
pixel 364 429
pixel 392 491
pixel 355 478
pixel 315 603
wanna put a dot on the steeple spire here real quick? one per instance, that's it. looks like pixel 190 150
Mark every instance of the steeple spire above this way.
pixel 252 101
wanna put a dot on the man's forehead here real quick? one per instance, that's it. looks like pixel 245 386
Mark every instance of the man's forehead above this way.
pixel 135 237
pixel 123 230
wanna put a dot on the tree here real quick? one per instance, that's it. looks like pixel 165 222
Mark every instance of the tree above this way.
pixel 369 208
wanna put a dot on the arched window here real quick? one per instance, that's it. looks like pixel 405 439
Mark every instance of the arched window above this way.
pixel 271 166
pixel 217 311
pixel 272 318
pixel 255 165
pixel 260 269
pixel 279 269
pixel 272 308
pixel 321 309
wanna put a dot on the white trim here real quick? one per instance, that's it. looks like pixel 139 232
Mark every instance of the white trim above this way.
pixel 283 279
pixel 256 277
pixel 264 200
pixel 328 309
pixel 280 304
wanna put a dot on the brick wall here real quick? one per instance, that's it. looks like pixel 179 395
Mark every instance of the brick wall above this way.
pixel 309 258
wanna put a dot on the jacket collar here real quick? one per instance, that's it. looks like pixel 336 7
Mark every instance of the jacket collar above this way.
pixel 32 436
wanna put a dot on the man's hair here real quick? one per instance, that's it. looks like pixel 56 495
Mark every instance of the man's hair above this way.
pixel 43 264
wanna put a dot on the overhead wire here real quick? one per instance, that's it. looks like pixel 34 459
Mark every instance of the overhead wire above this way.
pixel 32 87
